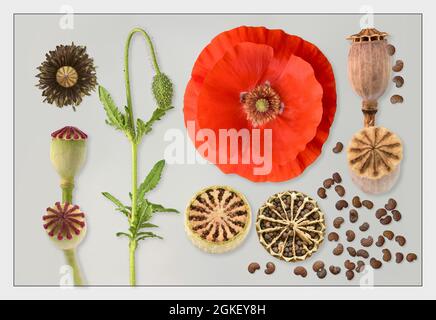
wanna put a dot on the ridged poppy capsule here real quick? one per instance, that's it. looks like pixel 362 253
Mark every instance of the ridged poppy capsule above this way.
pixel 369 69
pixel 68 152
pixel 65 225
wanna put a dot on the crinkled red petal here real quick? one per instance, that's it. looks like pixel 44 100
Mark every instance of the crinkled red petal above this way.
pixel 284 47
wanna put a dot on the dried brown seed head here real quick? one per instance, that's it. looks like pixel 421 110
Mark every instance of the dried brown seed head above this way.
pixel 373 153
pixel 290 226
pixel 217 219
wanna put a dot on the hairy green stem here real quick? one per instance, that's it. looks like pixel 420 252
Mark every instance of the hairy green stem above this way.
pixel 132 253
pixel 134 143
pixel 126 68
pixel 132 244
pixel 70 257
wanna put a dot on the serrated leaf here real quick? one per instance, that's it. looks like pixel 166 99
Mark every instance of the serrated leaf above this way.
pixel 114 117
pixel 148 225
pixel 152 179
pixel 113 199
pixel 159 208
pixel 144 235
pixel 119 234
pixel 145 127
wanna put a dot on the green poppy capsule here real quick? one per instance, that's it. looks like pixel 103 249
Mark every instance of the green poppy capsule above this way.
pixel 68 152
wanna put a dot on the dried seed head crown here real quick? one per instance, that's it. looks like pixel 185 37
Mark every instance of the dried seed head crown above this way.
pixel 368 35
pixel 69 133
pixel 67 75
pixel 65 224
pixel 217 219
pixel 290 226
pixel 261 105
pixel 374 152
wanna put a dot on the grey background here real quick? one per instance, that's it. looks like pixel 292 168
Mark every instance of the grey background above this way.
pixel 174 260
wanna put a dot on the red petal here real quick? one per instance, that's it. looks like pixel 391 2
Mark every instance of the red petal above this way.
pixel 284 45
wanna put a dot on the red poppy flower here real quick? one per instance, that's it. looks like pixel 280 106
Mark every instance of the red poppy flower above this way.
pixel 255 78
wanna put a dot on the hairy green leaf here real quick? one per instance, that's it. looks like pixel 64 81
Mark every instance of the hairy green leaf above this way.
pixel 152 179
pixel 144 235
pixel 159 208
pixel 114 117
pixel 114 200
pixel 144 128
pixel 148 225
pixel 120 234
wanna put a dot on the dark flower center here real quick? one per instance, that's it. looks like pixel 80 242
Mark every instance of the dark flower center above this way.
pixel 66 76
pixel 261 105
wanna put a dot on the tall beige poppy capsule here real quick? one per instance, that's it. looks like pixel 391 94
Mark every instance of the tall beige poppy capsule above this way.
pixel 369 69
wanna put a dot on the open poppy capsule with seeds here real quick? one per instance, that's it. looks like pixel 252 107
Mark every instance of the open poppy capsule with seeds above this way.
pixel 217 219
pixel 256 81
pixel 290 226
pixel 374 156
pixel 65 225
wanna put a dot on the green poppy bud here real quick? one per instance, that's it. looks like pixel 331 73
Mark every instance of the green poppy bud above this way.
pixel 162 90
pixel 68 152
pixel 65 225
